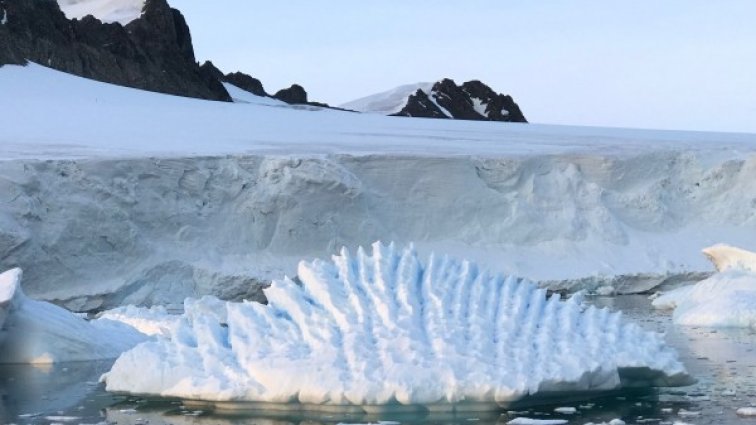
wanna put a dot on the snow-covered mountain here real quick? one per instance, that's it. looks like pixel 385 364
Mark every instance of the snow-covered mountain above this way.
pixel 122 11
pixel 111 195
pixel 472 100
pixel 388 102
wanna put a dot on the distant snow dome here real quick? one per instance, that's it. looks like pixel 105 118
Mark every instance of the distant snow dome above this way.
pixel 387 332
pixel 725 300
pixel 123 11
pixel 387 102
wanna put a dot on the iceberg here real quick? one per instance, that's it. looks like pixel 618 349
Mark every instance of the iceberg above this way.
pixel 38 332
pixel 382 332
pixel 727 299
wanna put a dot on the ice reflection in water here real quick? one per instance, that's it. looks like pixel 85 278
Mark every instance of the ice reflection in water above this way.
pixel 724 362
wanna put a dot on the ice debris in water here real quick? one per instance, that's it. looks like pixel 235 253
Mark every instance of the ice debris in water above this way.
pixel 39 332
pixel 529 421
pixel 389 330
pixel 726 299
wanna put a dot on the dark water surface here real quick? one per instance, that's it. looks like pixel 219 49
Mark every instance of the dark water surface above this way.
pixel 723 361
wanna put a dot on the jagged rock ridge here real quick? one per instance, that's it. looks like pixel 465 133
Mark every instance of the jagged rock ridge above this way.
pixel 472 100
pixel 153 52
pixel 294 95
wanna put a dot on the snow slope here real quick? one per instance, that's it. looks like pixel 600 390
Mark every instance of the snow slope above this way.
pixel 726 299
pixel 123 11
pixel 242 96
pixel 388 102
pixel 387 330
pixel 39 332
pixel 112 196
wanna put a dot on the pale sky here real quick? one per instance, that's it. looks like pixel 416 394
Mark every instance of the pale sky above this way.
pixel 674 64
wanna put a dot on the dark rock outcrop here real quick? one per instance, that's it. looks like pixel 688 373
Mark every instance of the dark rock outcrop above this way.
pixel 420 105
pixel 295 95
pixel 208 68
pixel 153 52
pixel 246 82
pixel 472 100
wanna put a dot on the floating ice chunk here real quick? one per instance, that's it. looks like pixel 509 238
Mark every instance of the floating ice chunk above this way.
pixel 39 332
pixel 529 421
pixel 386 330
pixel 566 410
pixel 688 413
pixel 726 299
pixel 612 422
pixel 746 411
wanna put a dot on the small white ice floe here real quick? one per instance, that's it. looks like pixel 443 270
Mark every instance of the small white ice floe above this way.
pixel 529 421
pixel 612 422
pixel 566 410
pixel 729 393
pixel 746 411
pixel 687 413
pixel 62 418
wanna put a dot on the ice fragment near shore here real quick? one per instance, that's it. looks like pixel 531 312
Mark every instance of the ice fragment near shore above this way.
pixel 34 331
pixel 387 329
pixel 726 299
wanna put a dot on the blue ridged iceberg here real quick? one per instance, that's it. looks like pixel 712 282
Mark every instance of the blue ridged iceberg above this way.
pixel 387 331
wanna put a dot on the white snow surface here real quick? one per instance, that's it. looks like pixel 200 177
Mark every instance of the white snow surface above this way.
pixel 39 332
pixel 725 257
pixel 122 11
pixel 113 196
pixel 239 95
pixel 387 328
pixel 726 299
pixel 388 102
pixel 479 106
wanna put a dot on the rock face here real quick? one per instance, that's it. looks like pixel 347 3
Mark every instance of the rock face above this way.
pixel 295 94
pixel 153 52
pixel 246 82
pixel 472 100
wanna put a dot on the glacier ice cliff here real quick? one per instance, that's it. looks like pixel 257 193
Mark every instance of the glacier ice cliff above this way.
pixel 388 331
pixel 98 233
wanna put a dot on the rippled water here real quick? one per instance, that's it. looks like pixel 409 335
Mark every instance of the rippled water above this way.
pixel 723 361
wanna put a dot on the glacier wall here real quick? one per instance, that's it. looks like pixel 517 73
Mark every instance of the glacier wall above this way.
pixel 98 233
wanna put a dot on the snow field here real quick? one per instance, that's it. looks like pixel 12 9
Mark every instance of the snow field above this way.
pixel 122 11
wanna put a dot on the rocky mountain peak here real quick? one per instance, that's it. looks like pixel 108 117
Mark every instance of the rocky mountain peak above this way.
pixel 153 52
pixel 472 100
